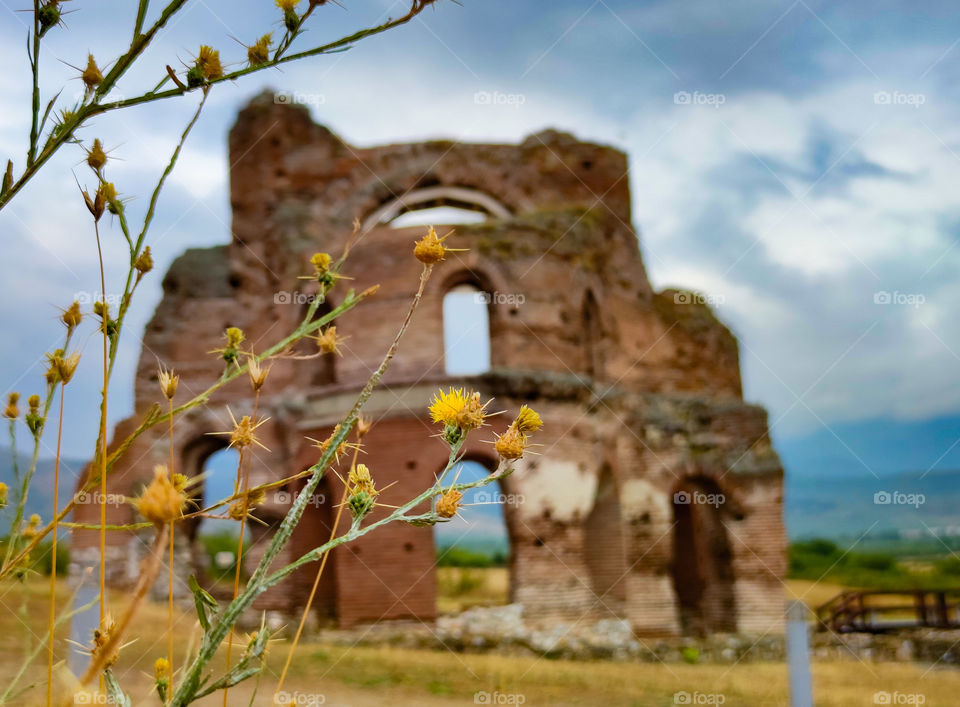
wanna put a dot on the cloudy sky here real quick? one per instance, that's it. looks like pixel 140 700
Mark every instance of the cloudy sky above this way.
pixel 795 161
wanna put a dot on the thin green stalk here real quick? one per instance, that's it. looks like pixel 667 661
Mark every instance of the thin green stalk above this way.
pixel 35 68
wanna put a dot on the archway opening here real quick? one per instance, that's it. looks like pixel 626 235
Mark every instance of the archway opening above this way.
pixel 451 205
pixel 466 331
pixel 702 566
pixel 606 548
pixel 473 549
pixel 214 541
pixel 447 215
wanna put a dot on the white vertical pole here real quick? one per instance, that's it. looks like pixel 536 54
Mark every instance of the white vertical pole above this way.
pixel 798 655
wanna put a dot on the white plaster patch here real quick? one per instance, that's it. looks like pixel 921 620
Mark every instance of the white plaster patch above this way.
pixel 557 485
pixel 640 496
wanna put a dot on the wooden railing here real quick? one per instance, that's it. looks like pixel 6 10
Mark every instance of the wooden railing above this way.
pixel 890 610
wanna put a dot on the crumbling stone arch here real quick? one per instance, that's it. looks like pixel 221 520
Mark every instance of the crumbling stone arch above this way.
pixel 429 197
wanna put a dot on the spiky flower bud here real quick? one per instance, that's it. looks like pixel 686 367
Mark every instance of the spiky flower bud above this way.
pixel 259 52
pixel 168 382
pixel 96 157
pixel 12 412
pixel 3 495
pixel 448 503
pixel 91 75
pixel 72 316
pixel 161 502
pixel 48 15
pixel 144 263
pixel 430 250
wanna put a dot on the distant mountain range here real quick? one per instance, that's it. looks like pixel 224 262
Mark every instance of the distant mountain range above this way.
pixel 40 497
pixel 882 476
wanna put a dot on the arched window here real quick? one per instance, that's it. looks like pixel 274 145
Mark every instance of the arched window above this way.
pixel 449 204
pixel 466 331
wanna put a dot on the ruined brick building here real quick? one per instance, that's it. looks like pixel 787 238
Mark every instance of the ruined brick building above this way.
pixel 656 497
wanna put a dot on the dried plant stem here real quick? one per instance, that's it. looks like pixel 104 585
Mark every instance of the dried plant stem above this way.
pixel 103 432
pixel 52 619
pixel 171 530
pixel 148 575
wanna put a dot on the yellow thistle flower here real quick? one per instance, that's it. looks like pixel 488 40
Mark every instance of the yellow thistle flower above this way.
pixel 161 668
pixel 259 52
pixel 12 412
pixel 34 403
pixel 321 263
pixel 527 420
pixel 472 414
pixel 359 479
pixel 230 352
pixel 430 250
pixel 72 316
pixel 208 62
pixel 109 192
pixel 448 503
pixel 511 444
pixel 328 342
pixel 161 502
pixel 91 75
pixel 447 406
pixel 168 382
pixel 3 495
pixel 287 5
pixel 243 432
pixel 144 263
pixel 66 367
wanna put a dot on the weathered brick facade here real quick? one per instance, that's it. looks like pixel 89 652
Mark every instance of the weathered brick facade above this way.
pixel 640 391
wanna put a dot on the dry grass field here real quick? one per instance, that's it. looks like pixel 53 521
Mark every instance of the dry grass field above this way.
pixel 361 676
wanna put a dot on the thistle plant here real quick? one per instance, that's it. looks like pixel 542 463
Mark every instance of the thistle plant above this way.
pixel 165 502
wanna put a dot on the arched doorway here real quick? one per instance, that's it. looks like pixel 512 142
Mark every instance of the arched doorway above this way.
pixel 702 566
pixel 473 549
pixel 605 549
